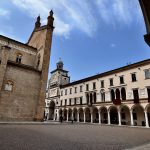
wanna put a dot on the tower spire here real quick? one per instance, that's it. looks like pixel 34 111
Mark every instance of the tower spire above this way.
pixel 50 19
pixel 38 23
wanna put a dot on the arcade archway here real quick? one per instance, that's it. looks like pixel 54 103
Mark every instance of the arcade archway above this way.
pixel 138 115
pixel 104 115
pixel 51 110
pixel 113 115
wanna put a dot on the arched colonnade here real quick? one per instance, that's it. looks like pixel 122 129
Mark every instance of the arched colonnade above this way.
pixel 135 115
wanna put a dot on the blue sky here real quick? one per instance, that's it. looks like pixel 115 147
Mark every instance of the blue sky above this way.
pixel 90 36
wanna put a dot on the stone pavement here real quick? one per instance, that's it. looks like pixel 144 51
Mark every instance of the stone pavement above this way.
pixel 143 147
pixel 56 136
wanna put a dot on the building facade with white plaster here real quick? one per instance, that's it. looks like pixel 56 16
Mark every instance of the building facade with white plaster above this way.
pixel 120 96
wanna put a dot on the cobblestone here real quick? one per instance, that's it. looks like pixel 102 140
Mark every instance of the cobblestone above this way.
pixel 71 137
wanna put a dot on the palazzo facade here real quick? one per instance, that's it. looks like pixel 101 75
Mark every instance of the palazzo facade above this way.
pixel 120 96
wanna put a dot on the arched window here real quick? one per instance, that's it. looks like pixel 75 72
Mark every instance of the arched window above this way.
pixel 18 58
pixel 95 97
pixel 123 94
pixel 117 94
pixel 91 98
pixel 87 98
pixel 112 95
pixel 9 86
pixel 103 95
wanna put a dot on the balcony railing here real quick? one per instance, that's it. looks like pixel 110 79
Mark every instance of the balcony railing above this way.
pixel 117 102
pixel 136 101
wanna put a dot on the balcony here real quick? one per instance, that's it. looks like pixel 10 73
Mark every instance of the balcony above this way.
pixel 136 101
pixel 117 102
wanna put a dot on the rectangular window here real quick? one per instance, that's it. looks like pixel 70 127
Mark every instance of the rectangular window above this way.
pixel 103 96
pixel 80 100
pixel 111 82
pixel 81 88
pixel 65 91
pixel 134 116
pixel 136 95
pixel 87 87
pixel 147 74
pixel 133 76
pixel 94 85
pixel 102 84
pixel 75 89
pixel 65 102
pixel 121 80
pixel 70 90
pixel 75 101
pixel 70 101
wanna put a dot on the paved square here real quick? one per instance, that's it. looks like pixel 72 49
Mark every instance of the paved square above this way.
pixel 71 137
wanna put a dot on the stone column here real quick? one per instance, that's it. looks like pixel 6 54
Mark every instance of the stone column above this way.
pixel 108 117
pixel 91 117
pixel 146 119
pixel 99 113
pixel 58 115
pixel 119 117
pixel 78 116
pixel 91 111
pixel 63 114
pixel 131 116
pixel 67 115
pixel 54 116
pixel 84 116
pixel 47 117
pixel 72 118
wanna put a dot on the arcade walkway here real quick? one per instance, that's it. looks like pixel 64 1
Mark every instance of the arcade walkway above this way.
pixel 134 115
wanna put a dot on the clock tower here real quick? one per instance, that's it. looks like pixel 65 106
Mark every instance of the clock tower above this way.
pixel 59 77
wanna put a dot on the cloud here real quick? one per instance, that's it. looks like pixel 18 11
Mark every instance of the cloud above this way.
pixel 82 15
pixel 117 12
pixel 68 14
pixel 4 13
pixel 36 7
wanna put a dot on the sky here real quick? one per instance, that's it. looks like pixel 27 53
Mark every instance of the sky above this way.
pixel 90 37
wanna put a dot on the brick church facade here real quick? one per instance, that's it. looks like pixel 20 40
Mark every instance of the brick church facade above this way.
pixel 24 73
